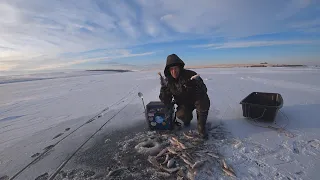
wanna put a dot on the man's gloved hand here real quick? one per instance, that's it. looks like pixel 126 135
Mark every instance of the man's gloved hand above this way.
pixel 163 81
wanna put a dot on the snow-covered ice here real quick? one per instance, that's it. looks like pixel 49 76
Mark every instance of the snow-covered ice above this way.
pixel 53 115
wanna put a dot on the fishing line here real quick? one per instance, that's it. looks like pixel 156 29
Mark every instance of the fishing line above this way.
pixel 254 122
pixel 90 120
pixel 65 162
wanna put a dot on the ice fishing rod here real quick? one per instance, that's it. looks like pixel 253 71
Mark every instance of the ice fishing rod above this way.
pixel 141 96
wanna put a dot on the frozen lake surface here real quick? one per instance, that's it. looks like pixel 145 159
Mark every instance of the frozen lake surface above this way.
pixel 60 112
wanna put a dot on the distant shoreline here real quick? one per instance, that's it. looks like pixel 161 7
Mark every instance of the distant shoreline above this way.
pixel 237 66
pixel 246 65
pixel 112 70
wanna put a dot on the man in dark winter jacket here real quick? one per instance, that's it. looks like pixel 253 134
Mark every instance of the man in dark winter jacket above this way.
pixel 188 92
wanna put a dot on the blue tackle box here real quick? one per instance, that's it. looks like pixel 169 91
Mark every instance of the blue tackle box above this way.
pixel 159 116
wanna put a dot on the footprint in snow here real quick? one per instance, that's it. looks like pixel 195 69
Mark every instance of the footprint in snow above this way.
pixel 78 174
pixel 67 129
pixel 295 147
pixel 35 155
pixel 57 136
pixel 44 176
pixel 315 143
pixel 48 147
pixel 5 177
pixel 89 121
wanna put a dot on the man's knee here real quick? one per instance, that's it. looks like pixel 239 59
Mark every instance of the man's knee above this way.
pixel 184 114
pixel 203 104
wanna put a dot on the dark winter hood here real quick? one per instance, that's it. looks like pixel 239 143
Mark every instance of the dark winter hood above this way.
pixel 172 60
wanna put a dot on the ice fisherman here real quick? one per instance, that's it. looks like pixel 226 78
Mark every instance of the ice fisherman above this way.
pixel 188 94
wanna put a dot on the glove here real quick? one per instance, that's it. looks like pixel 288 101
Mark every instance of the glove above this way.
pixel 163 81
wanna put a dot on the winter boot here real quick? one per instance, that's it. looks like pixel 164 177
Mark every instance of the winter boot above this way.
pixel 201 124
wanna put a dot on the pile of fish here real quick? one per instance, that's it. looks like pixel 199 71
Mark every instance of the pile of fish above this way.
pixel 184 158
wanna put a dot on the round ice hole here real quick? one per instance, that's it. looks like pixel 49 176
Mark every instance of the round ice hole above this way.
pixel 149 145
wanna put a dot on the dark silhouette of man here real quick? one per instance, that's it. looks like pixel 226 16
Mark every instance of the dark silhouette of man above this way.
pixel 189 93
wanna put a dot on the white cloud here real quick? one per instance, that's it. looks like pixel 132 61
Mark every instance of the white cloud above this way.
pixel 246 44
pixel 4 66
pixel 33 29
pixel 293 7
pixel 166 17
pixel 226 17
pixel 151 29
pixel 113 55
pixel 7 14
pixel 205 45
pixel 310 26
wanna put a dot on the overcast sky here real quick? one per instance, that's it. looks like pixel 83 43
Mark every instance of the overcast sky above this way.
pixel 52 34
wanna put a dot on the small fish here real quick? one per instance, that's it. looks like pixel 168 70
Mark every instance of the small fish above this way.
pixel 186 161
pixel 181 174
pixel 213 155
pixel 170 163
pixel 188 156
pixel 237 144
pixel 163 174
pixel 153 161
pixel 187 136
pixel 173 142
pixel 182 146
pixel 179 143
pixel 171 170
pixel 180 178
pixel 115 172
pixel 172 151
pixel 165 135
pixel 228 172
pixel 224 164
pixel 191 175
pixel 166 160
pixel 197 164
pixel 175 139
pixel 162 152
pixel 231 169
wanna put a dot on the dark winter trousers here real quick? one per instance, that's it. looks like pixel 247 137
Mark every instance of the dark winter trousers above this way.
pixel 202 105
